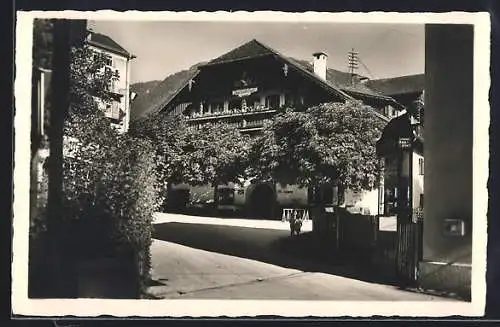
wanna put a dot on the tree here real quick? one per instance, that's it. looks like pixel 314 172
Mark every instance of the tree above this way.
pixel 210 154
pixel 217 154
pixel 110 192
pixel 328 143
pixel 287 150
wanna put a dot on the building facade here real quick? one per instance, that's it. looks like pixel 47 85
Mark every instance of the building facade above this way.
pixel 117 60
pixel 247 86
pixel 448 222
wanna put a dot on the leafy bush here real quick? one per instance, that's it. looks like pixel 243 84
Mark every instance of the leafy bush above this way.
pixel 109 180
pixel 110 201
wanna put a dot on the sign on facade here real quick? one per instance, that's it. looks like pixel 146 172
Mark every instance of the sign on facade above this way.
pixel 244 92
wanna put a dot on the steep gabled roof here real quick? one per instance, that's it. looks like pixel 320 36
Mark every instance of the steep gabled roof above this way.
pixel 337 82
pixel 107 43
pixel 254 48
pixel 343 81
pixel 248 50
pixel 398 85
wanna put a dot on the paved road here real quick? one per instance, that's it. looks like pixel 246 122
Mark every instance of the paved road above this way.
pixel 209 259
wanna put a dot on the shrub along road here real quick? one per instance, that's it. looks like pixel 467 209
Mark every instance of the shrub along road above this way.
pixel 201 258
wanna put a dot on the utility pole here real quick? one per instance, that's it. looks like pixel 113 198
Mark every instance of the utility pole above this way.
pixel 353 64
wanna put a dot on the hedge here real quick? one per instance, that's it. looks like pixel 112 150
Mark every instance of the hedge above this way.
pixel 110 198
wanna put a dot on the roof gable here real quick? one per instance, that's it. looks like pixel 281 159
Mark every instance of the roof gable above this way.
pixel 107 43
pixel 254 48
pixel 248 50
pixel 337 82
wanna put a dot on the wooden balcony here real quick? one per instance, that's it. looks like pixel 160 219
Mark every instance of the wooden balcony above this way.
pixel 239 113
pixel 247 121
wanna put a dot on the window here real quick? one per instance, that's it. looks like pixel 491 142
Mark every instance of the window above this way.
pixel 217 106
pixel 108 61
pixel 253 101
pixel 421 166
pixel 255 123
pixel 289 100
pixel 235 104
pixel 112 110
pixel 108 111
pixel 202 107
pixel 391 201
pixel 389 111
pixel 273 101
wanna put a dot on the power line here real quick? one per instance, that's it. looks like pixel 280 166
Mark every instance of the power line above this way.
pixel 366 68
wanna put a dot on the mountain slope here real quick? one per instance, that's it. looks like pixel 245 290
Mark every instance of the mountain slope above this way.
pixel 143 87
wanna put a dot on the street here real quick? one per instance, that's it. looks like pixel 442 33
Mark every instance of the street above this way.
pixel 211 258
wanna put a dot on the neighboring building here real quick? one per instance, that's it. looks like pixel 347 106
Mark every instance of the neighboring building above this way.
pixel 247 86
pixel 401 147
pixel 119 60
pixel 403 89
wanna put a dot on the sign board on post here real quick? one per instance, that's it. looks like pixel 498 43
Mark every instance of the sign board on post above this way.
pixel 404 143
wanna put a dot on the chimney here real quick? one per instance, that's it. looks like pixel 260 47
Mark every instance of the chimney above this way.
pixel 319 64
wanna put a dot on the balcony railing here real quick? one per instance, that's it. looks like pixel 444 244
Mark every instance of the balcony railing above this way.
pixel 231 113
pixel 243 124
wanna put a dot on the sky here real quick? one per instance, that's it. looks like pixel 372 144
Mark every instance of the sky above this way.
pixel 166 47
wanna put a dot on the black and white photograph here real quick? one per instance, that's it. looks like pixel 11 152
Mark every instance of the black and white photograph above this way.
pixel 245 164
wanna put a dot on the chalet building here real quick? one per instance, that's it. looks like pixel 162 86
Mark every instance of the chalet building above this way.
pixel 119 60
pixel 249 84
pixel 246 87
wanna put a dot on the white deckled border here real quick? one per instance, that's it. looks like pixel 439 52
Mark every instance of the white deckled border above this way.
pixel 233 308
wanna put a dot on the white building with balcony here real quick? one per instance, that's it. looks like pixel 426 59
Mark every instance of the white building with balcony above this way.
pixel 118 60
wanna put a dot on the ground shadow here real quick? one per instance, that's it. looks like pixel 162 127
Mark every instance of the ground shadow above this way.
pixel 276 247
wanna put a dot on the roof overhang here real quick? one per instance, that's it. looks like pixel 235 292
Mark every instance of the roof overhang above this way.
pixel 110 49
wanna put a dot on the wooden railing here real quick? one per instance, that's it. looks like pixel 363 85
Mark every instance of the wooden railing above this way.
pixel 231 113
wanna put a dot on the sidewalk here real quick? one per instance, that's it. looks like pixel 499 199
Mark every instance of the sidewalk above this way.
pixel 161 218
